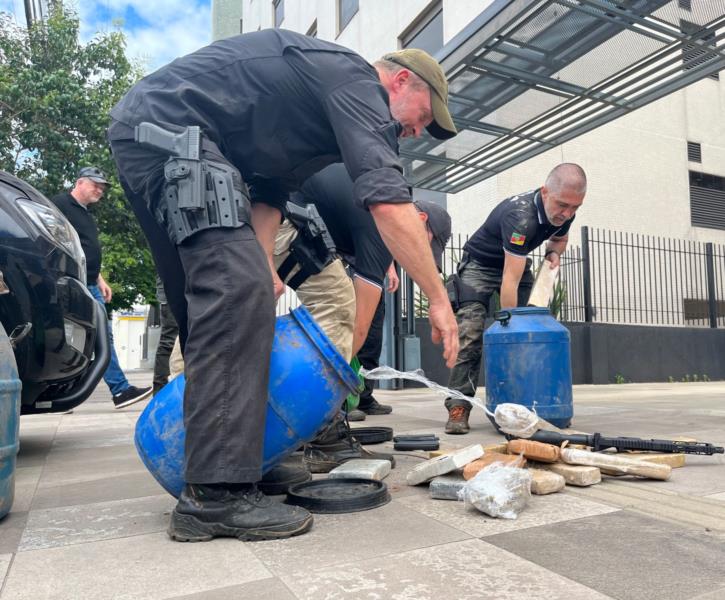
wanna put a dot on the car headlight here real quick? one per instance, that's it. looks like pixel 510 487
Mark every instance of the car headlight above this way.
pixel 55 226
pixel 75 335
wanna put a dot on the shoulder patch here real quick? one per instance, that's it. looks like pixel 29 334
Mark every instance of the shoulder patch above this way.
pixel 518 239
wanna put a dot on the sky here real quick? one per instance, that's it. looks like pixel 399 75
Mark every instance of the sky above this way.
pixel 157 31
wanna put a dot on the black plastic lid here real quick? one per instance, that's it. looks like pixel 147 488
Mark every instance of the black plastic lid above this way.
pixel 329 496
pixel 372 435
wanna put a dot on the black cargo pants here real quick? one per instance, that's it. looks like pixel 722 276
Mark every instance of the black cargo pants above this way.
pixel 369 353
pixel 167 339
pixel 219 287
pixel 471 322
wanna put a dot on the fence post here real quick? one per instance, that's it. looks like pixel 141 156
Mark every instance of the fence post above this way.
pixel 586 275
pixel 711 297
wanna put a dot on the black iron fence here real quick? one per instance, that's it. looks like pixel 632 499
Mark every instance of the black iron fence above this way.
pixel 619 277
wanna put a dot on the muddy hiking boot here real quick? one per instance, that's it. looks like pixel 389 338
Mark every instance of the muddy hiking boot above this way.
pixel 234 510
pixel 356 415
pixel 336 445
pixel 458 420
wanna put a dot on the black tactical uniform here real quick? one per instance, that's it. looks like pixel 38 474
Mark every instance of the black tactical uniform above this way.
pixel 275 107
pixel 517 226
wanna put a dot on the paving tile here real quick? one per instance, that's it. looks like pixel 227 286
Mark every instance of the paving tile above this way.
pixel 718 594
pixel 628 556
pixel 4 566
pixel 437 572
pixel 12 526
pixel 134 485
pixel 95 439
pixel 541 510
pixel 60 473
pixel 388 529
pixel 720 496
pixel 134 568
pixel 91 522
pixel 26 482
pixel 264 589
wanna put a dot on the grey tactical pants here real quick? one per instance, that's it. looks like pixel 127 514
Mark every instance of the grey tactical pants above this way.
pixel 471 317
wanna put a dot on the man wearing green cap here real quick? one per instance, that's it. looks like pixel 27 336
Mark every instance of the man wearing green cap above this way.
pixel 226 133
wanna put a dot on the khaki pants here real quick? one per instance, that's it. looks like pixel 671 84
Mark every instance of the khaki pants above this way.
pixel 329 295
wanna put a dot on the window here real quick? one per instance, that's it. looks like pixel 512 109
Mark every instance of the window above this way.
pixel 426 32
pixel 346 10
pixel 278 12
pixel 694 152
pixel 707 200
pixel 312 31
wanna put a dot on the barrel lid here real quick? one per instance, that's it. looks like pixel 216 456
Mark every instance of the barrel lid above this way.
pixel 529 310
pixel 372 435
pixel 329 496
pixel 327 348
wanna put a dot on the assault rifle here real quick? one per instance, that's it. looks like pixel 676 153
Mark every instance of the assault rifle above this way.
pixel 599 442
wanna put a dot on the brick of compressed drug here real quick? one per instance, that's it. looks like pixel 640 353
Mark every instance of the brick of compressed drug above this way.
pixel 675 461
pixel 575 475
pixel 614 462
pixel 361 468
pixel 446 487
pixel 443 464
pixel 546 482
pixel 443 450
pixel 538 451
pixel 510 460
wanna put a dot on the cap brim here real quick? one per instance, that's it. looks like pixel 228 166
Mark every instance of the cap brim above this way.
pixel 442 127
pixel 437 249
pixel 100 180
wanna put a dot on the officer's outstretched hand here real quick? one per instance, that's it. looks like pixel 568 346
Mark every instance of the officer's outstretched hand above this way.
pixel 444 328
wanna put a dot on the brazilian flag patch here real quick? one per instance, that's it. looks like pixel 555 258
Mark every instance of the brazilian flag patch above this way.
pixel 518 239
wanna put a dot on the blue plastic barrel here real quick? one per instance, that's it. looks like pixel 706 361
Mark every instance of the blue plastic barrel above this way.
pixel 9 422
pixel 528 362
pixel 308 381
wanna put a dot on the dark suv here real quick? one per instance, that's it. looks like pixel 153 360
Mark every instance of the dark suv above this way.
pixel 57 330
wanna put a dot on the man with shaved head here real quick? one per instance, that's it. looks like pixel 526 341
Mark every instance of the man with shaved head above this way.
pixel 494 260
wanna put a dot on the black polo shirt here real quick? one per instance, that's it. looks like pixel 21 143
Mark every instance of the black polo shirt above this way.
pixel 352 228
pixel 280 106
pixel 516 226
pixel 87 230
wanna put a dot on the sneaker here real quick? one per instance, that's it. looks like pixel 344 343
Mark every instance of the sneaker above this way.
pixel 458 420
pixel 356 415
pixel 375 408
pixel 131 395
pixel 241 511
pixel 335 446
pixel 278 479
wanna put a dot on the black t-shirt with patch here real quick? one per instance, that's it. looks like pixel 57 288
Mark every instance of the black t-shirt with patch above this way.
pixel 87 230
pixel 517 225
pixel 352 228
pixel 280 106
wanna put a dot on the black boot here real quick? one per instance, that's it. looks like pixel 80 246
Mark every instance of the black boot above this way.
pixel 233 510
pixel 336 445
pixel 280 477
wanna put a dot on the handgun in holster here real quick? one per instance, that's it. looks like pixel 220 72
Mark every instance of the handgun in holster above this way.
pixel 200 193
pixel 313 249
pixel 459 292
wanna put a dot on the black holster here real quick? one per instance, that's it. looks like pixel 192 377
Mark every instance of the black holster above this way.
pixel 312 249
pixel 459 292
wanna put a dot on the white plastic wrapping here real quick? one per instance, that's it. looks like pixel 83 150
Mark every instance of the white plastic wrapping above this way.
pixel 514 419
pixel 498 491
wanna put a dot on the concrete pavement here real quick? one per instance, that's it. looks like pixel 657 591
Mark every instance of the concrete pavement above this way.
pixel 89 521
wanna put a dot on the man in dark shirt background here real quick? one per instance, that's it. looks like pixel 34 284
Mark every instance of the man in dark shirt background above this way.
pixel 273 107
pixel 494 260
pixel 89 189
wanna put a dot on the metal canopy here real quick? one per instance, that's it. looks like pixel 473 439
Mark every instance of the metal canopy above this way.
pixel 526 75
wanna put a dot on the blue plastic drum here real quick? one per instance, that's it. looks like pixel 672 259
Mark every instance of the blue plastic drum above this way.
pixel 528 362
pixel 9 422
pixel 308 381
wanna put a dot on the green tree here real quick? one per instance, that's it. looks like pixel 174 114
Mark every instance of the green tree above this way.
pixel 55 95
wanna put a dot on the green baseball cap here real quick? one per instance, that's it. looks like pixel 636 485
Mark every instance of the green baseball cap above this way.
pixel 427 68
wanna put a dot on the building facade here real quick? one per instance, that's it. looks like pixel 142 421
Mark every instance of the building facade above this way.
pixel 641 167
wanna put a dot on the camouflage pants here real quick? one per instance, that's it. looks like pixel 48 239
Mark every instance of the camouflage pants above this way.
pixel 471 321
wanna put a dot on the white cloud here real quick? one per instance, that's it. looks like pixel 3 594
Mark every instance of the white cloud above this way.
pixel 169 28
